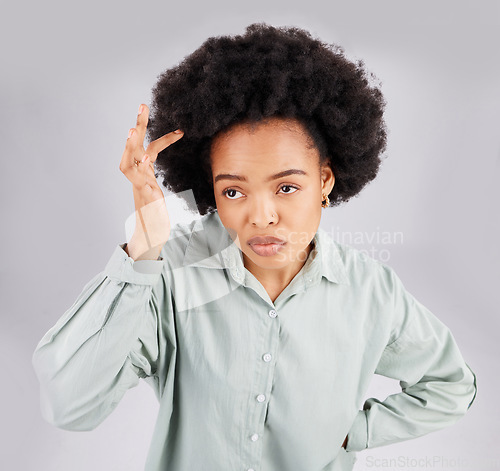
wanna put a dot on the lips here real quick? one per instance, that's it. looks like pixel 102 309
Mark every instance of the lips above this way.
pixel 266 246
pixel 265 240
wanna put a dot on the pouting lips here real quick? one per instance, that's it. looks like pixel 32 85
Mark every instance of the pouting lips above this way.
pixel 265 240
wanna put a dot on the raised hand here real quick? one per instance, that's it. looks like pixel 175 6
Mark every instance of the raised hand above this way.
pixel 137 164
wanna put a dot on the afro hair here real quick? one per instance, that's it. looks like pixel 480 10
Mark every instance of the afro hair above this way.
pixel 267 72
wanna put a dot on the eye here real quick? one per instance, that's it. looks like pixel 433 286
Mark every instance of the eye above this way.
pixel 226 192
pixel 289 186
pixel 233 191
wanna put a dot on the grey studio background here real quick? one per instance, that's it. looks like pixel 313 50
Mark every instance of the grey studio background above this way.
pixel 73 76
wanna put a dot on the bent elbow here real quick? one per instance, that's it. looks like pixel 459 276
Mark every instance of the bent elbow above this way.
pixel 67 416
pixel 465 393
pixel 472 387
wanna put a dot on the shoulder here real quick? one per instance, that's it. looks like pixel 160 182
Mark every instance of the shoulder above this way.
pixel 359 268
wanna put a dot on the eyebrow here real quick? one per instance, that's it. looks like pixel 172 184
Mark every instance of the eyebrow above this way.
pixel 285 173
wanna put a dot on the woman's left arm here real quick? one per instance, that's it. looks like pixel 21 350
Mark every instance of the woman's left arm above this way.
pixel 437 385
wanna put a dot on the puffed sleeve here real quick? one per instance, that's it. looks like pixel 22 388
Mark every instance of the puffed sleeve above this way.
pixel 102 345
pixel 437 385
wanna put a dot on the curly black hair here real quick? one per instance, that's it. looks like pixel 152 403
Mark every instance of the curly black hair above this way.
pixel 267 72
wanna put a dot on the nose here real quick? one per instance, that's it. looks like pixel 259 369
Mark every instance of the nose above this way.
pixel 263 213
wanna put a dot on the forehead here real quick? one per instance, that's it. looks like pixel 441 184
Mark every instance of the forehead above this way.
pixel 271 142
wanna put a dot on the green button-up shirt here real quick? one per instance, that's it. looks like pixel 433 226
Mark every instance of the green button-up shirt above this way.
pixel 245 384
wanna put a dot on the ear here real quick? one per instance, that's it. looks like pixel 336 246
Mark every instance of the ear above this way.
pixel 327 179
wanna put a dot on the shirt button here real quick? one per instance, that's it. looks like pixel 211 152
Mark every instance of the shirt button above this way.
pixel 261 398
pixel 272 313
pixel 267 357
pixel 254 437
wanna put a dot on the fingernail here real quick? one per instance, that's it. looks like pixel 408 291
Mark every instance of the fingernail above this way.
pixel 130 133
pixel 140 109
pixel 144 158
pixel 178 131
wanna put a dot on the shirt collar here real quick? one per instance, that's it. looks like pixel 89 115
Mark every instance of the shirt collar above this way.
pixel 211 246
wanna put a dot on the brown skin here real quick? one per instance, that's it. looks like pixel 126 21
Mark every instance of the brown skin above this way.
pixel 258 207
pixel 142 177
pixel 152 227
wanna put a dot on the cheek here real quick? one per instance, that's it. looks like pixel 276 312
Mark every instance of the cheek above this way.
pixel 305 208
pixel 230 216
pixel 309 198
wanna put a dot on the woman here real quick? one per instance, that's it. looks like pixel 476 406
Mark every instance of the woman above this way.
pixel 257 331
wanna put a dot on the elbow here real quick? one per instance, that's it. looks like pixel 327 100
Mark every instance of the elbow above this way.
pixel 65 416
pixel 465 392
pixel 446 399
pixel 65 422
pixel 69 404
pixel 472 387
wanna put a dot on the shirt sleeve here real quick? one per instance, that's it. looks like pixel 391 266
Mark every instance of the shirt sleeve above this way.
pixel 437 385
pixel 102 344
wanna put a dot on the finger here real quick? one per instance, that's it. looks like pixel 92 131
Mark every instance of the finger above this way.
pixel 143 164
pixel 131 139
pixel 138 170
pixel 127 160
pixel 142 122
pixel 131 148
pixel 155 147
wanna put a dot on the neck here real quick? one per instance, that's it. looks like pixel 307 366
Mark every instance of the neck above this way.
pixel 276 278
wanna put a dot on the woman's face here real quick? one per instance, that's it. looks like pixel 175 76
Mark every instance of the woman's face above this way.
pixel 268 182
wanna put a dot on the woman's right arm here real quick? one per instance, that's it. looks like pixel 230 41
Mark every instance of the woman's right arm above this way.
pixel 102 344
pixel 108 338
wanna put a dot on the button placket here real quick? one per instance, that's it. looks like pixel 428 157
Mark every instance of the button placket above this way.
pixel 258 411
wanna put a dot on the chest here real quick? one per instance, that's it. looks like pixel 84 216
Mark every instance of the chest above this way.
pixel 222 343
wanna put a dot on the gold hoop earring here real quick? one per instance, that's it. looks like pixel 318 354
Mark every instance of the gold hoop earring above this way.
pixel 326 201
